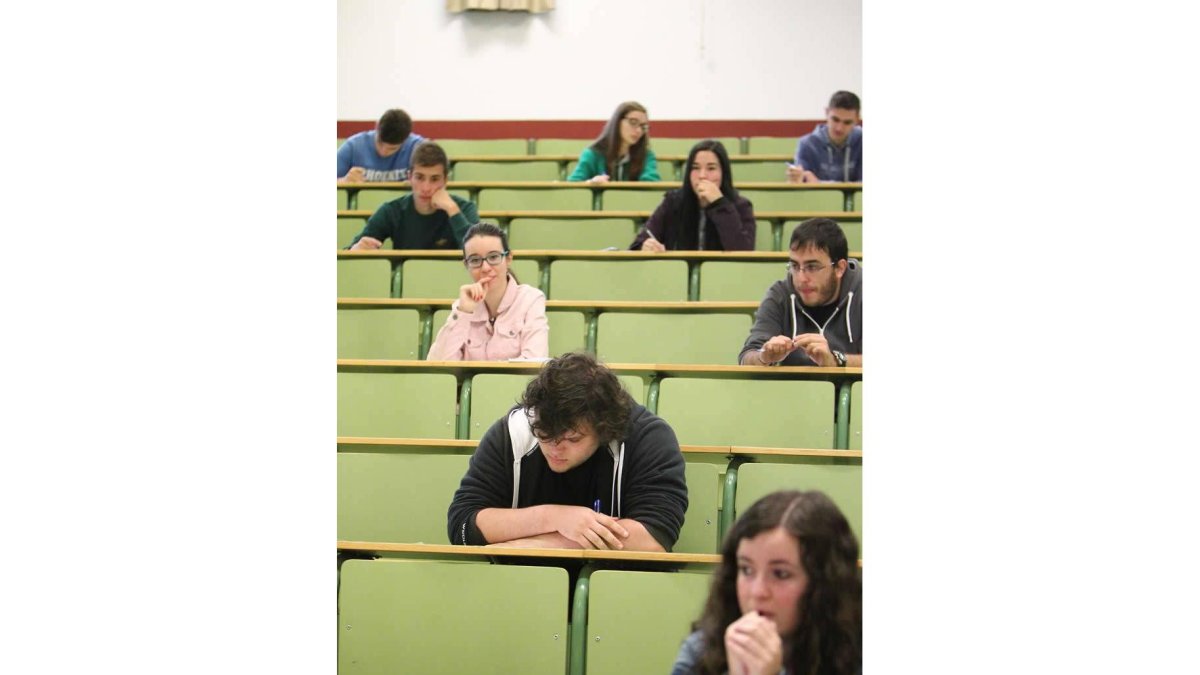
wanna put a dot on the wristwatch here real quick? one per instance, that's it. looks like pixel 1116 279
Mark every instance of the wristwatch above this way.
pixel 840 358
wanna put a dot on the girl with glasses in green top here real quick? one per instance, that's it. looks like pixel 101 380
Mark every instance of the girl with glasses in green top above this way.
pixel 622 152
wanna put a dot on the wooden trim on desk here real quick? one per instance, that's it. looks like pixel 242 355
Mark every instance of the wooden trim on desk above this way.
pixel 640 215
pixel 665 369
pixel 793 452
pixel 576 254
pixel 684 306
pixel 505 551
pixel 408 442
pixel 611 185
pixel 507 159
pixel 585 131
pixel 722 450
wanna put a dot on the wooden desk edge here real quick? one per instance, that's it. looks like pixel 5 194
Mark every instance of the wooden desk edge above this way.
pixel 504 551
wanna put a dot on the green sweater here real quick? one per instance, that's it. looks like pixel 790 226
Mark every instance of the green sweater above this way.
pixel 399 221
pixel 591 163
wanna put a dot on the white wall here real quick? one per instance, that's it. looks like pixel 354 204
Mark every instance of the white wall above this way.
pixel 682 59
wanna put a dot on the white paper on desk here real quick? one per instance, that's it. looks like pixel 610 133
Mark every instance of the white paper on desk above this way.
pixel 529 359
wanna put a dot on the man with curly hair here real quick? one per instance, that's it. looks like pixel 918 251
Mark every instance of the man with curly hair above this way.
pixel 576 464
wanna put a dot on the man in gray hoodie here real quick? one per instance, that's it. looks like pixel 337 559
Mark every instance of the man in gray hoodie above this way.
pixel 813 316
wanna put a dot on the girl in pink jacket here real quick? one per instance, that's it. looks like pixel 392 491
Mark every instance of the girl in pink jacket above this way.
pixel 495 317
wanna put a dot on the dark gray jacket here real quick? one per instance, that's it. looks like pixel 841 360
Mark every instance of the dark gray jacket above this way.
pixel 782 313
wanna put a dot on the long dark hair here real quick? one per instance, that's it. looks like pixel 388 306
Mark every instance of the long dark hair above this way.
pixel 689 207
pixel 827 639
pixel 608 143
pixel 488 230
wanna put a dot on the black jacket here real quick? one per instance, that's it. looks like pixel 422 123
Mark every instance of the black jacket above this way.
pixel 730 225
pixel 652 489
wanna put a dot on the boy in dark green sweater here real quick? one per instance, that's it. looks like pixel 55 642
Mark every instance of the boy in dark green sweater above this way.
pixel 430 217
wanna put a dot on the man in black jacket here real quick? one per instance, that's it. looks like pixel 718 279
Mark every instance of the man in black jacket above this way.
pixel 577 464
pixel 812 317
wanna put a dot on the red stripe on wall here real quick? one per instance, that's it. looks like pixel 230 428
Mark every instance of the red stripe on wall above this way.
pixel 591 128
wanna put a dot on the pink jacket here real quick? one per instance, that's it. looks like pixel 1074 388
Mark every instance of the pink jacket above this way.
pixel 520 330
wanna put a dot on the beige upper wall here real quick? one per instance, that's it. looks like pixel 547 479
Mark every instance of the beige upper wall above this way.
pixel 683 59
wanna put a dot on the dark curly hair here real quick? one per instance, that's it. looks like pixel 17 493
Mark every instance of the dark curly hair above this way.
pixel 572 389
pixel 827 639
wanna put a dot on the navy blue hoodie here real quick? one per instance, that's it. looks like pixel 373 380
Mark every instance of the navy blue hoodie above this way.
pixel 819 155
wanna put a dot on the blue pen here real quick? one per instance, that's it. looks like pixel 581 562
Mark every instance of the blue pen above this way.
pixel 596 506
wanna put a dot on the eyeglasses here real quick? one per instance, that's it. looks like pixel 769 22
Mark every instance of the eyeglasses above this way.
pixel 493 259
pixel 808 269
pixel 633 123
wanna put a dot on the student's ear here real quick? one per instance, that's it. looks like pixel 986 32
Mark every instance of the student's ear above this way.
pixel 840 267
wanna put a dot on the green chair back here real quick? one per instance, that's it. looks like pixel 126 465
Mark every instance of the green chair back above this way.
pixel 856 416
pixel 570 234
pixel 773 145
pixel 561 146
pixel 632 337
pixel 638 620
pixel 858 200
pixel 378 334
pixel 442 278
pixel 348 229
pixel 506 171
pixel 428 616
pixel 371 200
pixel 841 482
pixel 682 146
pixel 619 280
pixel 396 497
pixel 550 199
pixel 397 405
pixel 340 141
pixel 342 199
pixel 768 413
pixel 764 236
pixel 759 172
pixel 493 395
pixel 667 171
pixel 500 146
pixel 568 332
pixel 364 278
pixel 633 200
pixel 795 200
pixel 701 523
pixel 720 280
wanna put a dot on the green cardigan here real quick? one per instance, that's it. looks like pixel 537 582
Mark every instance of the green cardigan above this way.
pixel 591 163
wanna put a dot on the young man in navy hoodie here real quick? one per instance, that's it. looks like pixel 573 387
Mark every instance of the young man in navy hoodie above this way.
pixel 833 151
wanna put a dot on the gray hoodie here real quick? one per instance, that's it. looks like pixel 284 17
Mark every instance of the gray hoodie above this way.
pixel 782 313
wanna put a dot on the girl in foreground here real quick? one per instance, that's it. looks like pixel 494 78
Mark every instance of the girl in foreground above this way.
pixel 786 597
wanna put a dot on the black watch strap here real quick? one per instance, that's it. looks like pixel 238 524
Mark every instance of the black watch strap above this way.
pixel 840 358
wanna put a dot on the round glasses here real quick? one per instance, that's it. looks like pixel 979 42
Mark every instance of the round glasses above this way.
pixel 634 124
pixel 493 259
pixel 808 269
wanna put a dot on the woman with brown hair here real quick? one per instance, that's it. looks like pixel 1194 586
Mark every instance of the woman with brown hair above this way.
pixel 786 597
pixel 622 151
